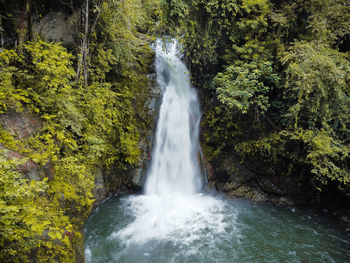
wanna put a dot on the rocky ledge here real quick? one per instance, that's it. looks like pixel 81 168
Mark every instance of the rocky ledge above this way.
pixel 229 176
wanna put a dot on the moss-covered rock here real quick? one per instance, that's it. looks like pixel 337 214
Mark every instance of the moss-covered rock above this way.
pixel 58 27
pixel 236 180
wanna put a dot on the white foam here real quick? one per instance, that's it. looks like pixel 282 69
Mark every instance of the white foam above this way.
pixel 87 253
pixel 175 167
pixel 174 218
pixel 172 207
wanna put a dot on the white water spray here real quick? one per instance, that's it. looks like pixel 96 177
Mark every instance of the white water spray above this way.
pixel 172 207
pixel 174 223
pixel 174 169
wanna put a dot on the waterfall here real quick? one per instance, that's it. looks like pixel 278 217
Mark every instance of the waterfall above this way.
pixel 174 168
pixel 172 207
pixel 173 221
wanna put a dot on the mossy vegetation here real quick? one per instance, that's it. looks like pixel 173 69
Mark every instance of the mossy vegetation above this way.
pixel 85 123
pixel 276 84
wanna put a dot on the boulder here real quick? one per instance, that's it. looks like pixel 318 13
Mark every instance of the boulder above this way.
pixel 99 190
pixel 22 124
pixel 57 27
pixel 235 179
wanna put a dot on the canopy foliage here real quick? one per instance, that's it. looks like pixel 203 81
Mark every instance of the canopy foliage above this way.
pixel 279 73
pixel 83 124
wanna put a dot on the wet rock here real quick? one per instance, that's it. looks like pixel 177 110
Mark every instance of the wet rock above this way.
pixel 249 191
pixel 208 168
pixel 100 190
pixel 139 173
pixel 49 170
pixel 276 185
pixel 149 98
pixel 222 175
pixel 24 165
pixel 22 124
pixel 238 172
pixel 235 179
pixel 57 27
pixel 232 174
pixel 146 105
pixel 253 192
pixel 266 184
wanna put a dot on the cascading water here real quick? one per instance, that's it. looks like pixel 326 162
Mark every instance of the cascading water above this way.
pixel 174 169
pixel 172 207
pixel 174 222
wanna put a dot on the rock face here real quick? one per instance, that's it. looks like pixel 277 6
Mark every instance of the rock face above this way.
pixel 100 190
pixel 133 179
pixel 147 103
pixel 226 174
pixel 150 111
pixel 232 177
pixel 23 125
pixel 57 27
pixel 117 180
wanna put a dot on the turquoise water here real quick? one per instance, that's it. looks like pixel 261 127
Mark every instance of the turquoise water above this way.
pixel 246 232
pixel 174 223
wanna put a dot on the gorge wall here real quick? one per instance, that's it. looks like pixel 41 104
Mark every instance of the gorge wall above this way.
pixel 77 111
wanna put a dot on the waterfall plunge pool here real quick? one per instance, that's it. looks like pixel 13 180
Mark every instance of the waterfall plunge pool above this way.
pixel 229 231
pixel 173 222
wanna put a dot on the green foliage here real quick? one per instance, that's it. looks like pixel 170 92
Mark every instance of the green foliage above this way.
pixel 29 220
pixel 327 157
pixel 317 88
pixel 272 150
pixel 122 57
pixel 17 196
pixel 44 74
pixel 244 86
pixel 317 85
pixel 82 126
pixel 217 33
pixel 10 96
pixel 219 130
pixel 329 19
pixel 280 84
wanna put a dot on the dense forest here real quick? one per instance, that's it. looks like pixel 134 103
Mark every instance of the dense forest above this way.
pixel 274 79
pixel 80 95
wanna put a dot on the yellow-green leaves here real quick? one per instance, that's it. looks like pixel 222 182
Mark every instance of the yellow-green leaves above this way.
pixel 277 75
pixel 317 81
pixel 327 157
pixel 81 127
pixel 10 95
pixel 18 212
